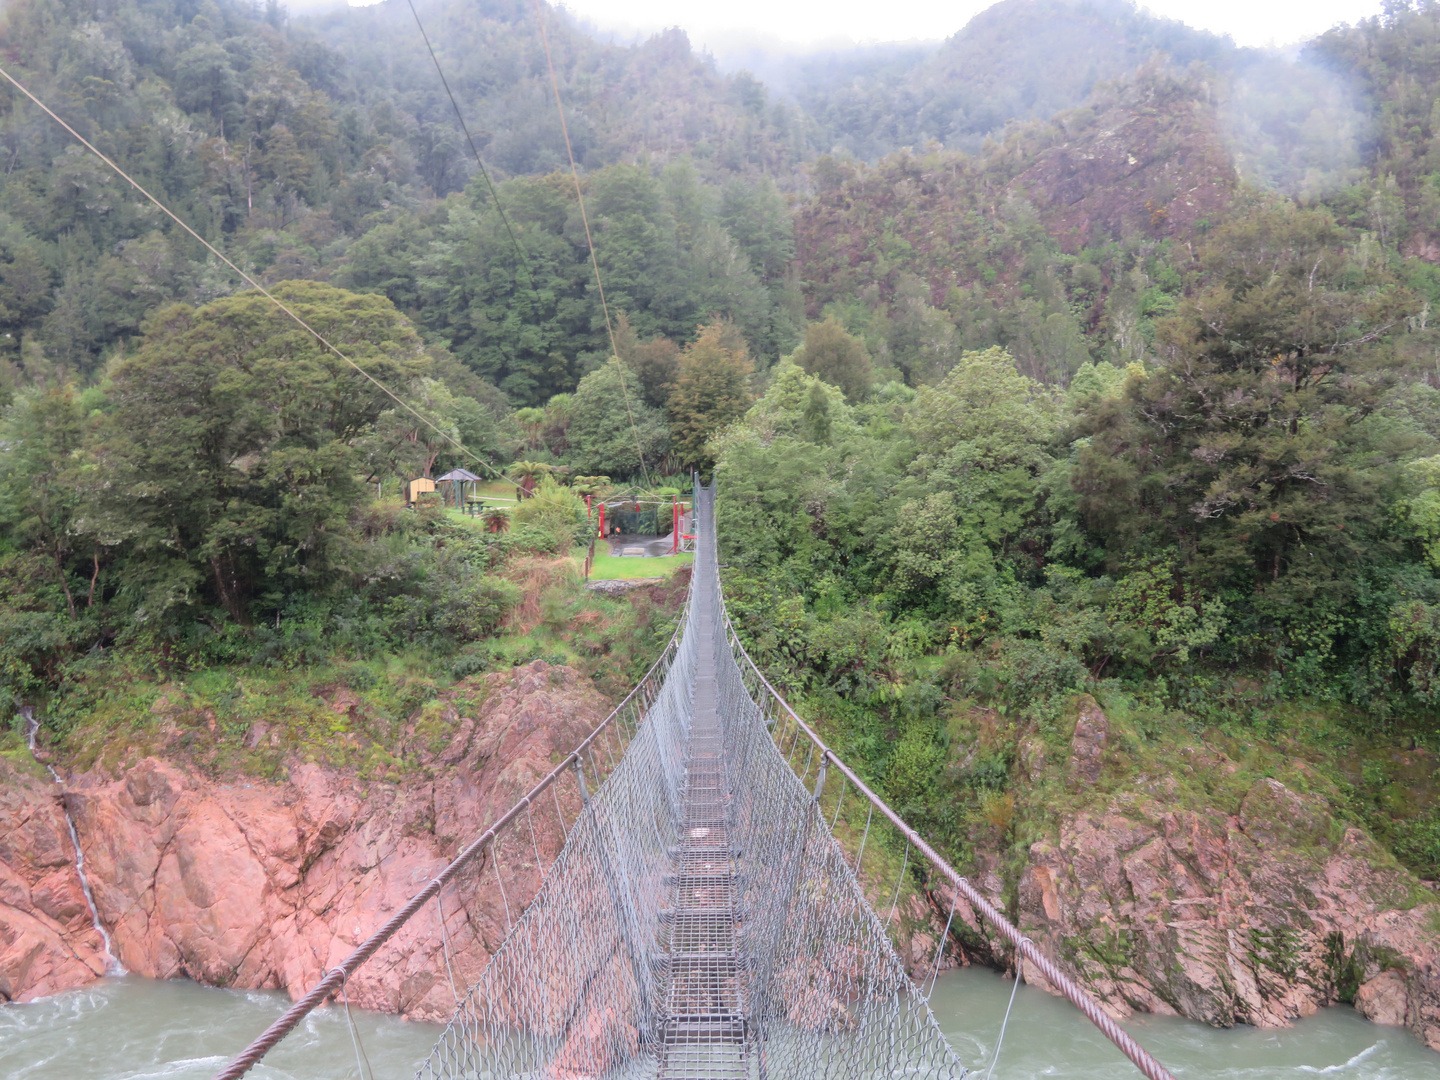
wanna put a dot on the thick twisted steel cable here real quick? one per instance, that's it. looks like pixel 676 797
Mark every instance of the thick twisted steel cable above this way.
pixel 335 979
pixel 1138 1055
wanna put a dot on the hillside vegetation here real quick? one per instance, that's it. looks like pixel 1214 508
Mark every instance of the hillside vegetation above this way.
pixel 1116 375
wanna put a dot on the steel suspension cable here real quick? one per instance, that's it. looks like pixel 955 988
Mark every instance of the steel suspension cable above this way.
pixel 589 240
pixel 291 313
pixel 1138 1055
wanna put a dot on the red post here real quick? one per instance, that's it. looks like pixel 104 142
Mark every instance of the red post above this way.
pixel 589 513
pixel 675 526
pixel 602 521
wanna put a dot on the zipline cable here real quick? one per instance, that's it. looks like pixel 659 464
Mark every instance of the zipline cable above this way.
pixel 484 172
pixel 260 288
pixel 504 218
pixel 589 240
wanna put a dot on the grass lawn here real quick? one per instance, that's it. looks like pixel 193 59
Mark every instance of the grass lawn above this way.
pixel 496 491
pixel 609 567
pixel 469 520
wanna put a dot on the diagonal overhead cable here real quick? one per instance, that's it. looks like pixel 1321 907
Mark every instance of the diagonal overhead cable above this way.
pixel 474 151
pixel 321 338
pixel 495 196
pixel 489 183
pixel 589 240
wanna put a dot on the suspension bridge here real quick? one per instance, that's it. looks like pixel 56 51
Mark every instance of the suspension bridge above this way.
pixel 701 921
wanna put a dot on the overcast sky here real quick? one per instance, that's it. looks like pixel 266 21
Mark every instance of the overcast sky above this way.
pixel 809 22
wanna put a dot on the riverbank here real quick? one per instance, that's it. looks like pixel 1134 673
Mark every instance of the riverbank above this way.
pixel 257 884
pixel 1168 879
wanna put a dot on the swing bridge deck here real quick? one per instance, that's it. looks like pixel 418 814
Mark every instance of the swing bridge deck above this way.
pixel 700 922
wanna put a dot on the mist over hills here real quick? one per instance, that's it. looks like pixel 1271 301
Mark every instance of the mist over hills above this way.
pixel 1017 60
pixel 288 139
pixel 653 97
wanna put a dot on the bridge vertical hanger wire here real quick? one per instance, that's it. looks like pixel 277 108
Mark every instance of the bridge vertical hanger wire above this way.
pixel 899 881
pixel 445 943
pixel 355 1034
pixel 1005 1021
pixel 860 856
pixel 534 844
pixel 940 947
pixel 589 240
pixel 495 865
pixel 839 801
pixel 559 814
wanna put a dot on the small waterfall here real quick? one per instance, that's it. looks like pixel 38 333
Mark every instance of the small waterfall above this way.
pixel 112 964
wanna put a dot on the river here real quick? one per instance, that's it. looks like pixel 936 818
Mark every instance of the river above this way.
pixel 135 1029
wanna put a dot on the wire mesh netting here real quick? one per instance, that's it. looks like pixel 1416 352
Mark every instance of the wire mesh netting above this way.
pixel 701 921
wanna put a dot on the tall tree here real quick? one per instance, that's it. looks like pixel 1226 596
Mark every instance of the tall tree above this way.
pixel 1237 449
pixel 233 441
pixel 612 430
pixel 42 483
pixel 712 389
pixel 837 357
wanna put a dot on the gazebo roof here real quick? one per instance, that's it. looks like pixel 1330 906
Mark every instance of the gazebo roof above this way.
pixel 457 474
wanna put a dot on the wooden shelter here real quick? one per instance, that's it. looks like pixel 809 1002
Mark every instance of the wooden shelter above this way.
pixel 457 479
pixel 418 487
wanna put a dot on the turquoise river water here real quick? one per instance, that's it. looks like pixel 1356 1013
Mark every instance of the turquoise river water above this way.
pixel 134 1029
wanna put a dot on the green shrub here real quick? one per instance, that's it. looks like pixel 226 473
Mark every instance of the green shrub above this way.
pixel 556 511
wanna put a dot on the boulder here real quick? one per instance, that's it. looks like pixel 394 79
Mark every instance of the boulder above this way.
pixel 1385 999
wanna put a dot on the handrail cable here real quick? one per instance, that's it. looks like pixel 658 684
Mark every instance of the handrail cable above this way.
pixel 589 240
pixel 1077 996
pixel 260 288
pixel 336 977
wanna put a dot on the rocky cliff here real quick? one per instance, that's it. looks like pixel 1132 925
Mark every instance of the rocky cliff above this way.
pixel 1256 905
pixel 266 885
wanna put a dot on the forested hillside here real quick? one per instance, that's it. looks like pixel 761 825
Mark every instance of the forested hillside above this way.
pixel 285 145
pixel 1018 60
pixel 1083 354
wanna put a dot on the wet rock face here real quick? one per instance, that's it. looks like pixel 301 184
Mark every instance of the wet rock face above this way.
pixel 1088 746
pixel 47 942
pixel 1259 914
pixel 262 885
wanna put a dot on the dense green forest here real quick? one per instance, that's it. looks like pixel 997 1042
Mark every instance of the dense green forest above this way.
pixel 1101 362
